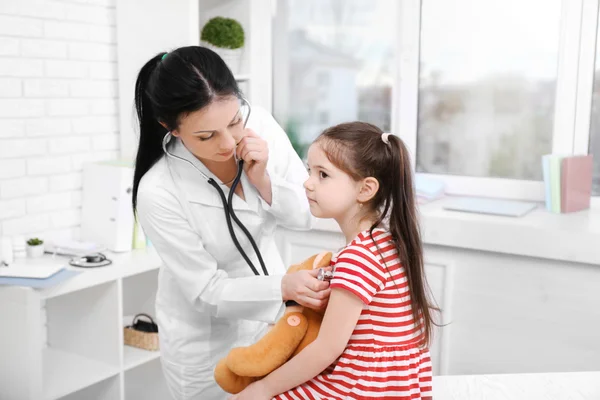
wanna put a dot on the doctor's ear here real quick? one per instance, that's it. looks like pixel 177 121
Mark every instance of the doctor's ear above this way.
pixel 174 132
pixel 368 189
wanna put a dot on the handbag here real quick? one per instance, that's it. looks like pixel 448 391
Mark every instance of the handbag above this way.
pixel 142 334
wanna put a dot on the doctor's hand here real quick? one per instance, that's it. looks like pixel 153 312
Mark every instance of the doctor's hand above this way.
pixel 304 288
pixel 255 152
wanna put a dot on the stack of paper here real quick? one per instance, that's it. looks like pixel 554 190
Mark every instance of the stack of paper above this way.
pixel 428 189
pixel 70 247
pixel 567 182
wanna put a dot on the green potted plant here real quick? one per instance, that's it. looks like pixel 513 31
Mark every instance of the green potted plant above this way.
pixel 225 36
pixel 35 248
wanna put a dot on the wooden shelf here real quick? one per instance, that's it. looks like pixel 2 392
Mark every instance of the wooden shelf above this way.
pixel 134 357
pixel 66 373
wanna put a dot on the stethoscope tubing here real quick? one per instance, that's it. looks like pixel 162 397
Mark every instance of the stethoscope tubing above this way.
pixel 230 214
pixel 227 207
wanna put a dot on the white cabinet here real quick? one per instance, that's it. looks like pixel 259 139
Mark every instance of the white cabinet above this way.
pixel 66 342
pixel 106 215
pixel 514 314
pixel 147 27
pixel 83 344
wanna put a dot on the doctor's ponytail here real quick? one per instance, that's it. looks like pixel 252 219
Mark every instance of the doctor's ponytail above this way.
pixel 151 131
pixel 169 86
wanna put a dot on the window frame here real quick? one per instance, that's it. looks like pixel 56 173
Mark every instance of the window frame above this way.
pixel 573 101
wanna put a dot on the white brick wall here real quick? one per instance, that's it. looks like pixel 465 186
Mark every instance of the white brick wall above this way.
pixel 58 109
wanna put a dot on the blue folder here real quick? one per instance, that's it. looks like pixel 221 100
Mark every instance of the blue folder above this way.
pixel 38 283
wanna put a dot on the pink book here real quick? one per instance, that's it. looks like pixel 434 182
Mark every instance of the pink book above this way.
pixel 576 183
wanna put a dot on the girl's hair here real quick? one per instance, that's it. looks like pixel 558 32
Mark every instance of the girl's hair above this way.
pixel 358 149
pixel 170 86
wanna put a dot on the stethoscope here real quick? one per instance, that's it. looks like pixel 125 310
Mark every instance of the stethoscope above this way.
pixel 227 201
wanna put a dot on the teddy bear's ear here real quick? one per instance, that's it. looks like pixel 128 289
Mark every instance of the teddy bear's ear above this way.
pixel 322 260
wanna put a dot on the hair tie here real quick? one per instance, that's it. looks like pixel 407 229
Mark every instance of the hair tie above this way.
pixel 164 56
pixel 386 137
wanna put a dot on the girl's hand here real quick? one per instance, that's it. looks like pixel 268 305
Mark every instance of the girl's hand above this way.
pixel 255 391
pixel 255 152
pixel 304 287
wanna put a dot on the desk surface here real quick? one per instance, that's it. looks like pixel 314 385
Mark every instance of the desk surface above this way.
pixel 123 265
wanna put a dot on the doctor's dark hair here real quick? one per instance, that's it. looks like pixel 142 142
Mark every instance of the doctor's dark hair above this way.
pixel 170 86
pixel 358 149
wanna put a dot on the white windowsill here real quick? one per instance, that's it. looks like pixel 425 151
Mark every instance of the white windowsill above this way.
pixel 573 237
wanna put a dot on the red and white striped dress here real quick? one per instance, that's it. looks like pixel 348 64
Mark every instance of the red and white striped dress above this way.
pixel 382 359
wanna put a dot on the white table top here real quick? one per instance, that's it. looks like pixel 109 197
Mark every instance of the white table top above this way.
pixel 542 386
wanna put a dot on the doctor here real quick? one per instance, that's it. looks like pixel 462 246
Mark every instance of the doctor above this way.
pixel 192 128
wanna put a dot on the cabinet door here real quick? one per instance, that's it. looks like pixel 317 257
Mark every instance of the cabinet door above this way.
pixel 439 278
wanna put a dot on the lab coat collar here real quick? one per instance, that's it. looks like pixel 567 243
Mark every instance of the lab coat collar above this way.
pixel 197 188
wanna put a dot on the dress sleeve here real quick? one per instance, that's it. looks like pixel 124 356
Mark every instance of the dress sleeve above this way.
pixel 359 271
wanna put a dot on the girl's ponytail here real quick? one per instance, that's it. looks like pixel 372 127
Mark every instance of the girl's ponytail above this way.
pixel 404 227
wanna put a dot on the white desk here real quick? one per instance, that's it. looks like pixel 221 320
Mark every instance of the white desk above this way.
pixel 67 340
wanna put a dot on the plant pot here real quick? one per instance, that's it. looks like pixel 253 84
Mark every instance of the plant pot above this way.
pixel 35 251
pixel 232 57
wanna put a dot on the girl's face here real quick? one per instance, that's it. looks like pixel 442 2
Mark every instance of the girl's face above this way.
pixel 211 134
pixel 331 192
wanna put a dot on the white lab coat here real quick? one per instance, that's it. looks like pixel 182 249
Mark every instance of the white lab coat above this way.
pixel 208 298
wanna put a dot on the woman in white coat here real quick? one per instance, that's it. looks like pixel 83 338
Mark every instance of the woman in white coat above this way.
pixel 209 300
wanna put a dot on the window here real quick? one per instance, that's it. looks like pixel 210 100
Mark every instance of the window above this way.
pixel 479 90
pixel 323 118
pixel 497 84
pixel 334 56
pixel 487 86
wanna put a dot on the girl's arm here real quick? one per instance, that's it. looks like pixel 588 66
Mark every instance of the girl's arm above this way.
pixel 339 322
pixel 357 278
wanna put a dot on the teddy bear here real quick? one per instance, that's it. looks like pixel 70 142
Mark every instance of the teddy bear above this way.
pixel 296 329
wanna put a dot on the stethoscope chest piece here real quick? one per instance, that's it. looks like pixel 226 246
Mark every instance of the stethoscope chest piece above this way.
pixel 324 275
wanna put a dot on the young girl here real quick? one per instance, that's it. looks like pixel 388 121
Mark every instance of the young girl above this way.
pixel 378 324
